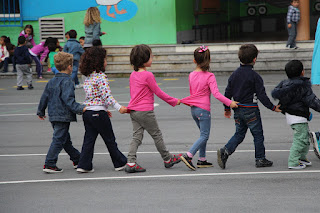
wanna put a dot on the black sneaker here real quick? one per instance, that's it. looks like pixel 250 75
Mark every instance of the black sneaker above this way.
pixel 30 86
pixel 133 169
pixel 49 169
pixel 204 164
pixel 188 161
pixel 263 163
pixel 20 88
pixel 174 160
pixel 222 157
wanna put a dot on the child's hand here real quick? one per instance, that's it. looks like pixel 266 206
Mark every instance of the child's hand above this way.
pixel 289 25
pixel 103 33
pixel 84 109
pixel 234 104
pixel 179 102
pixel 41 117
pixel 109 114
pixel 278 109
pixel 123 109
pixel 227 114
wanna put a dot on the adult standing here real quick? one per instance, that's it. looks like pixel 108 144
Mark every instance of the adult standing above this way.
pixel 315 67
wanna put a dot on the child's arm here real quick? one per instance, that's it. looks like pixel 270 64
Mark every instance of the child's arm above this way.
pixel 44 54
pixel 68 98
pixel 289 16
pixel 311 100
pixel 66 48
pixel 261 93
pixel 43 103
pixel 32 42
pixel 215 91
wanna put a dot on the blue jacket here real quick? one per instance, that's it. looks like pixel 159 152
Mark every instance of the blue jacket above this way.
pixel 246 86
pixel 73 47
pixel 60 98
pixel 22 55
pixel 296 96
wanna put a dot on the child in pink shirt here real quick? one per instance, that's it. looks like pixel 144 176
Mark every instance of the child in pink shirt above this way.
pixel 143 86
pixel 28 33
pixel 202 84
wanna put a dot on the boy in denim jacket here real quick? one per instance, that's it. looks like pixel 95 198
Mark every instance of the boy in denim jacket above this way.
pixel 62 109
pixel 296 97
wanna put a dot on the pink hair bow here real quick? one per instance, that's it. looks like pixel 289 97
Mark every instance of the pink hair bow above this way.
pixel 203 49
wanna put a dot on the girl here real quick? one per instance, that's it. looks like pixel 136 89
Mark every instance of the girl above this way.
pixel 96 118
pixel 52 48
pixel 92 22
pixel 202 83
pixel 7 51
pixel 143 86
pixel 27 32
pixel 41 49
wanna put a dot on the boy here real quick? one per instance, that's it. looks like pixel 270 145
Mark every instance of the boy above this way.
pixel 73 47
pixel 296 97
pixel 23 63
pixel 246 86
pixel 293 17
pixel 62 109
pixel 66 35
pixel 81 41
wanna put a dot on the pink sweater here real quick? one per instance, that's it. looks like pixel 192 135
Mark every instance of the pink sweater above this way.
pixel 40 49
pixel 143 86
pixel 28 37
pixel 201 85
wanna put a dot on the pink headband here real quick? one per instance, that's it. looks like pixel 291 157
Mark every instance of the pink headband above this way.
pixel 203 49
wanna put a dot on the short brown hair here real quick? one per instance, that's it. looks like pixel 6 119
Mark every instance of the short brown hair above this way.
pixel 140 54
pixel 92 60
pixel 202 57
pixel 247 53
pixel 62 60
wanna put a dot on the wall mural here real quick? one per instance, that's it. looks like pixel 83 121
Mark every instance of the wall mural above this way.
pixel 117 10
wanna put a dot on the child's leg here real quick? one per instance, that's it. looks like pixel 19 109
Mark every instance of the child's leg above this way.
pixel 60 131
pixel 292 35
pixel 72 152
pixel 38 65
pixel 300 144
pixel 26 71
pixel 74 74
pixel 19 75
pixel 136 137
pixel 203 120
pixel 104 127
pixel 89 140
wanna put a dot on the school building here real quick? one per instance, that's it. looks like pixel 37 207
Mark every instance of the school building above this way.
pixel 130 22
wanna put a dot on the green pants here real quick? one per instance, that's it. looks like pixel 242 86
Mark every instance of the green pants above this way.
pixel 300 145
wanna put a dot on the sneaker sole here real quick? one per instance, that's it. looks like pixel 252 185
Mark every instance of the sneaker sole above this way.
pixel 300 167
pixel 79 170
pixel 261 166
pixel 220 163
pixel 204 166
pixel 120 168
pixel 187 163
pixel 51 171
pixel 313 138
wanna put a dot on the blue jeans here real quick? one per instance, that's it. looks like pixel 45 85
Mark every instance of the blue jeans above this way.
pixel 74 74
pixel 61 140
pixel 292 35
pixel 203 120
pixel 38 65
pixel 95 123
pixel 247 118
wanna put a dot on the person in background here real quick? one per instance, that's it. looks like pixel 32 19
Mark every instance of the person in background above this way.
pixel 28 33
pixel 81 40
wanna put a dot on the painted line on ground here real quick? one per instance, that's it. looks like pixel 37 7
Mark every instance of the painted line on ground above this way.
pixel 160 176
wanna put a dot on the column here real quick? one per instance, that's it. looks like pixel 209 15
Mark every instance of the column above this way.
pixel 304 23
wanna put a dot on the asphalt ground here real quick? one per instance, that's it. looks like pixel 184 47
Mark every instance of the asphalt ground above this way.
pixel 241 187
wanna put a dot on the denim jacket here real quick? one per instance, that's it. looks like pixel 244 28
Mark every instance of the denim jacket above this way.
pixel 73 47
pixel 93 32
pixel 60 98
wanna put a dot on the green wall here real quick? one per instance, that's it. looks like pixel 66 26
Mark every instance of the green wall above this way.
pixel 185 17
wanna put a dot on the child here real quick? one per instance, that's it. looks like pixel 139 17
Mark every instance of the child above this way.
pixel 143 86
pixel 293 17
pixel 92 22
pixel 23 63
pixel 28 33
pixel 295 98
pixel 97 43
pixel 73 47
pixel 52 48
pixel 67 35
pixel 96 118
pixel 4 53
pixel 62 109
pixel 202 84
pixel 8 52
pixel 246 86
pixel 81 40
pixel 40 49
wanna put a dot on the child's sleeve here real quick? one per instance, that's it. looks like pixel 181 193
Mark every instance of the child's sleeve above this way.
pixel 228 92
pixel 43 102
pixel 215 91
pixel 68 98
pixel 311 100
pixel 44 54
pixel 32 42
pixel 289 15
pixel 261 93
pixel 105 91
pixel 27 56
pixel 66 48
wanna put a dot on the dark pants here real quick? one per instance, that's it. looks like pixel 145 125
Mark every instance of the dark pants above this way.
pixel 38 65
pixel 61 140
pixel 74 74
pixel 247 118
pixel 95 123
pixel 292 35
pixel 6 62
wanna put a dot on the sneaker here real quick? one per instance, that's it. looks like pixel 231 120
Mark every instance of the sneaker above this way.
pixel 79 170
pixel 300 166
pixel 204 164
pixel 263 163
pixel 305 162
pixel 315 142
pixel 30 86
pixel 49 169
pixel 75 165
pixel 222 157
pixel 40 77
pixel 188 161
pixel 133 169
pixel 20 88
pixel 120 168
pixel 174 160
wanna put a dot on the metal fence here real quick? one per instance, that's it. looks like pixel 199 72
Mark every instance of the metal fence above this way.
pixel 10 13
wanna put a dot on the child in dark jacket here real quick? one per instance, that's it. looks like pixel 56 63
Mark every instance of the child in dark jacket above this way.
pixel 296 97
pixel 23 63
pixel 62 109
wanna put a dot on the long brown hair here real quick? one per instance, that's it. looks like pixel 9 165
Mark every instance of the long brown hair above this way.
pixel 92 16
pixel 202 58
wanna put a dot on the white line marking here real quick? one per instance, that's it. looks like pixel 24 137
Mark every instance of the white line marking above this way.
pixel 106 153
pixel 157 176
pixel 9 104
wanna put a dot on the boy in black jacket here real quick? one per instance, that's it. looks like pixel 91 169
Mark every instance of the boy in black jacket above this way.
pixel 246 86
pixel 296 97
pixel 23 61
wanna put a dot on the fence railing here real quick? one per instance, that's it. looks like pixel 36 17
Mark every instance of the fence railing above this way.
pixel 10 13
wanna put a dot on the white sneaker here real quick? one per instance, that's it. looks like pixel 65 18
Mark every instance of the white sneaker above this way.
pixel 306 162
pixel 120 168
pixel 78 86
pixel 84 171
pixel 315 142
pixel 300 166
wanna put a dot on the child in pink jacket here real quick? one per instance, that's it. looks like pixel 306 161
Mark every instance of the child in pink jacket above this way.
pixel 28 33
